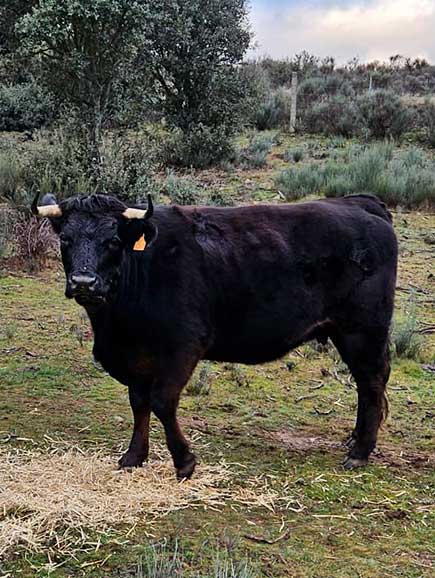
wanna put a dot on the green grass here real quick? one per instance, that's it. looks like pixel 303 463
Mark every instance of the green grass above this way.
pixel 284 423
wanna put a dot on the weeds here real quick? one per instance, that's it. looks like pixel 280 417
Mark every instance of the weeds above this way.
pixel 200 383
pixel 406 340
pixel 295 155
pixel 255 154
pixel 34 239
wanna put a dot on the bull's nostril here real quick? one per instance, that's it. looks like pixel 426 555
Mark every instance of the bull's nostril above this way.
pixel 83 282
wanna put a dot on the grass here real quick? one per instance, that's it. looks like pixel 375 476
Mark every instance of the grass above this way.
pixel 278 426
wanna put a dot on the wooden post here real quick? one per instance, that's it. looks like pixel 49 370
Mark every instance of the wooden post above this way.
pixel 294 96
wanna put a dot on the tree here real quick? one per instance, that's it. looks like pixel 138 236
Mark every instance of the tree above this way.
pixel 191 52
pixel 84 48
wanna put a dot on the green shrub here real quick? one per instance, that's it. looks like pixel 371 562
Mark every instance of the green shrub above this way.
pixel 335 116
pixel 255 154
pixel 295 155
pixel 406 340
pixel 384 114
pixel 24 107
pixel 201 147
pixel 11 175
pixel 297 183
pixel 429 122
pixel 182 190
pixel 200 382
pixel 274 111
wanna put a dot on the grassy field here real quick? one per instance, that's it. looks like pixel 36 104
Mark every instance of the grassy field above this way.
pixel 277 430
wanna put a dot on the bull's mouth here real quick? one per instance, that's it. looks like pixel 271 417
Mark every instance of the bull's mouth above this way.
pixel 90 299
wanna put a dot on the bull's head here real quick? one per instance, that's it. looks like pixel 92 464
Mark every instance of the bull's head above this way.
pixel 95 232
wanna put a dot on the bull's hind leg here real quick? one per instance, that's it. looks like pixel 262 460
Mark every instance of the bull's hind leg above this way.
pixel 367 358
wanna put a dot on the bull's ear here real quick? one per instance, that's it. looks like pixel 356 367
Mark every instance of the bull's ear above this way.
pixel 138 234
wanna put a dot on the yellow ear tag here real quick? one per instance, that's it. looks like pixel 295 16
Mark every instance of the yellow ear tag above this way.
pixel 140 244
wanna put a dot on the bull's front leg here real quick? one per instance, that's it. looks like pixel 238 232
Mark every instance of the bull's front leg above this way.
pixel 165 396
pixel 138 450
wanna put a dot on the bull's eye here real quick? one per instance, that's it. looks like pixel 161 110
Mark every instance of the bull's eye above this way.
pixel 114 244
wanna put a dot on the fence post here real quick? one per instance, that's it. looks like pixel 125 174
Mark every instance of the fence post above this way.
pixel 294 96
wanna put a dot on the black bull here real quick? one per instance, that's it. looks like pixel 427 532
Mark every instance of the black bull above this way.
pixel 244 284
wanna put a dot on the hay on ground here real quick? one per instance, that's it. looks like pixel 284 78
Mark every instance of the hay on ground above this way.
pixel 61 502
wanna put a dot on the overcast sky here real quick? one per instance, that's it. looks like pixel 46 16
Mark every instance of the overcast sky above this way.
pixel 368 29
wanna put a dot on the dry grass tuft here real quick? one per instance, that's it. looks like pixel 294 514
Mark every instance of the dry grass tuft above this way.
pixel 70 501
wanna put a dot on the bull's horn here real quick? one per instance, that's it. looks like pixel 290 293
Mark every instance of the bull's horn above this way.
pixel 140 213
pixel 49 210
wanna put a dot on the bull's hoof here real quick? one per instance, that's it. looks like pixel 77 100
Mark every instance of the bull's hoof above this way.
pixel 353 463
pixel 130 460
pixel 186 471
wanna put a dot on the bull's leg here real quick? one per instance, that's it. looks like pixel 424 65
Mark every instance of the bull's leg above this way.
pixel 367 358
pixel 165 396
pixel 137 452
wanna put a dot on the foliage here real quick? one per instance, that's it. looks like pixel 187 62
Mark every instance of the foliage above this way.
pixel 384 114
pixel 336 116
pixel 200 382
pixel 84 47
pixel 255 154
pixel 297 183
pixel 406 340
pixel 24 107
pixel 11 174
pixel 182 190
pixel 200 147
pixel 273 111
pixel 429 122
pixel 34 240
pixel 295 155
pixel 407 180
pixel 193 62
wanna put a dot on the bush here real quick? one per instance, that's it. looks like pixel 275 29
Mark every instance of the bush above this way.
pixel 295 155
pixel 200 382
pixel 274 111
pixel 34 240
pixel 335 116
pixel 406 340
pixel 297 183
pixel 182 190
pixel 201 147
pixel 11 175
pixel 384 114
pixel 429 122
pixel 255 154
pixel 25 107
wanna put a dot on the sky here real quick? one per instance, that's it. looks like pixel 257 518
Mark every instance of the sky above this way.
pixel 367 29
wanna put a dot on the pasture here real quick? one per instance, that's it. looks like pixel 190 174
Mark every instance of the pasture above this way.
pixel 270 497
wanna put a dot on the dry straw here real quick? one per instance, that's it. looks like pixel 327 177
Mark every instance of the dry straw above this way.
pixel 70 501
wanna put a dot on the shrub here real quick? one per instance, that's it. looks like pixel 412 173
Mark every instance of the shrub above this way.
pixel 34 240
pixel 182 190
pixel 201 147
pixel 406 340
pixel 255 154
pixel 429 122
pixel 295 155
pixel 335 116
pixel 11 175
pixel 297 183
pixel 274 111
pixel 384 114
pixel 200 383
pixel 24 107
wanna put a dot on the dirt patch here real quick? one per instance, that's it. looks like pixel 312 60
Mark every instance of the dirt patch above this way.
pixel 299 442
